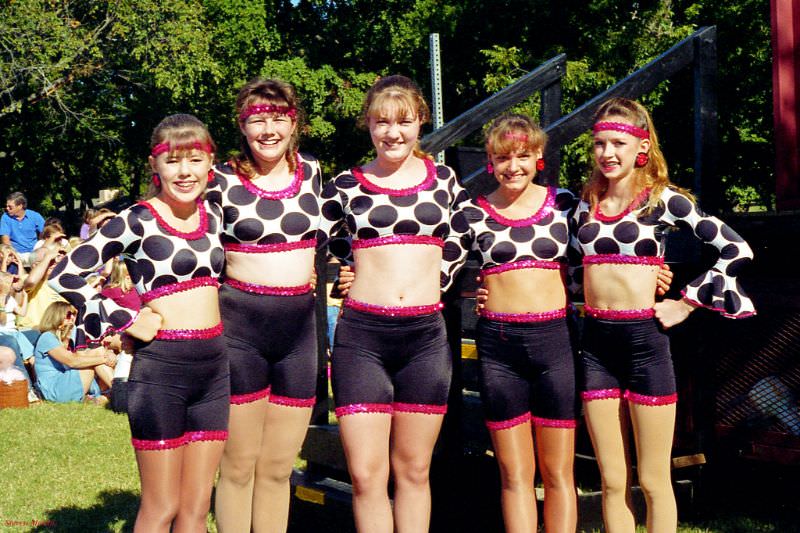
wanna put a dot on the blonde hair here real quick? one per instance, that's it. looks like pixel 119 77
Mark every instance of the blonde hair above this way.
pixel 52 319
pixel 396 96
pixel 269 91
pixel 653 175
pixel 178 131
pixel 513 131
pixel 119 276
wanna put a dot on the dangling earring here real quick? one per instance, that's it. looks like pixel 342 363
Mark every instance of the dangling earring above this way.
pixel 642 159
pixel 156 180
pixel 211 176
pixel 490 168
pixel 540 164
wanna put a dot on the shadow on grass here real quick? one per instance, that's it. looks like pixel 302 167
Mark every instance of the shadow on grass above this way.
pixel 113 511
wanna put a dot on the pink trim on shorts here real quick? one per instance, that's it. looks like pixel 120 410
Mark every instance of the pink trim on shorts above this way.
pixel 390 310
pixel 247 248
pixel 619 314
pixel 269 291
pixel 642 399
pixel 292 402
pixel 554 423
pixel 519 265
pixel 181 286
pixel 189 334
pixel 499 425
pixel 397 239
pixel 177 442
pixel 543 316
pixel 421 408
pixel 619 259
pixel 358 408
pixel 289 191
pixel 201 436
pixel 430 175
pixel 202 227
pixel 601 394
pixel 250 397
pixel 543 211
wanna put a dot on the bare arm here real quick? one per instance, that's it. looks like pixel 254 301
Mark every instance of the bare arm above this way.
pixel 82 359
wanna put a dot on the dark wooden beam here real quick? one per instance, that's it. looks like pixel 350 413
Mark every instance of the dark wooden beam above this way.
pixel 706 137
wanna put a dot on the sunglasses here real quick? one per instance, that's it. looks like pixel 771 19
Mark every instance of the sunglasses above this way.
pixel 71 314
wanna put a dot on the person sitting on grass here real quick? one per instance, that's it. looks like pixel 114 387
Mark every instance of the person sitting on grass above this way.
pixel 62 375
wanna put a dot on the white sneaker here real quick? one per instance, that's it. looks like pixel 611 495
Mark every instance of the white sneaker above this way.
pixel 32 398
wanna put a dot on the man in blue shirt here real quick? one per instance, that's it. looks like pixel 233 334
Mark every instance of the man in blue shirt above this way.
pixel 20 227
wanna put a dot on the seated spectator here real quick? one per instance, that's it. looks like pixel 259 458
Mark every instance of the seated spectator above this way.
pixel 53 234
pixel 13 299
pixel 20 226
pixel 102 216
pixel 88 215
pixel 119 287
pixel 40 295
pixel 61 375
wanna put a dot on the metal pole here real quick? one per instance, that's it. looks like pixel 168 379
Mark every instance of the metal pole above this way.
pixel 436 88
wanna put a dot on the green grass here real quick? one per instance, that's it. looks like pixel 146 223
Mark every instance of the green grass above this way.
pixel 70 467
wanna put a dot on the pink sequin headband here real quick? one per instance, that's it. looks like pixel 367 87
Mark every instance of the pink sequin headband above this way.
pixel 162 148
pixel 621 126
pixel 257 109
pixel 521 137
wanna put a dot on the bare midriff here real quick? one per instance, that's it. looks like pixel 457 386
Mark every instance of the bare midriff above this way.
pixel 619 286
pixel 192 309
pixel 527 290
pixel 288 268
pixel 398 275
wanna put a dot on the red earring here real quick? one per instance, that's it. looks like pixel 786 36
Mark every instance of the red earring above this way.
pixel 490 168
pixel 540 164
pixel 156 180
pixel 642 159
pixel 211 176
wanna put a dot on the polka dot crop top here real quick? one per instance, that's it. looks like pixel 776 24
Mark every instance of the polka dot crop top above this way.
pixel 161 260
pixel 636 237
pixel 377 216
pixel 260 221
pixel 540 240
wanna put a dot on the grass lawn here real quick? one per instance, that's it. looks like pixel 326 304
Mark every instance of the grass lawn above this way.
pixel 71 468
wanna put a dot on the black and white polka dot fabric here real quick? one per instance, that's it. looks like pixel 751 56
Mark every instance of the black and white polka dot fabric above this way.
pixel 255 220
pixel 637 237
pixel 160 259
pixel 373 215
pixel 541 237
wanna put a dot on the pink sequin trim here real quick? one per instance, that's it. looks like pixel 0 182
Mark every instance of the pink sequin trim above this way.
pixel 619 314
pixel 202 227
pixel 389 310
pixel 519 265
pixel 268 248
pixel 633 205
pixel 642 399
pixel 292 402
pixel 619 259
pixel 162 148
pixel 239 399
pixel 259 109
pixel 181 286
pixel 398 239
pixel 421 408
pixel 254 288
pixel 186 438
pixel 201 436
pixel 543 211
pixel 430 175
pixel 189 334
pixel 123 327
pixel 601 394
pixel 746 314
pixel 500 425
pixel 554 423
pixel 357 408
pixel 621 127
pixel 292 189
pixel 543 316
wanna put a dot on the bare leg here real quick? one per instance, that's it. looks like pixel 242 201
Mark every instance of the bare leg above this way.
pixel 514 451
pixel 556 451
pixel 160 476
pixel 284 430
pixel 413 438
pixel 105 374
pixel 233 505
pixel 200 463
pixel 87 375
pixel 365 437
pixel 608 428
pixel 653 429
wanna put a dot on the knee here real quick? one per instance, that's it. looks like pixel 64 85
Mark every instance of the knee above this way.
pixel 369 478
pixel 655 485
pixel 412 472
pixel 516 477
pixel 238 470
pixel 615 483
pixel 160 512
pixel 274 472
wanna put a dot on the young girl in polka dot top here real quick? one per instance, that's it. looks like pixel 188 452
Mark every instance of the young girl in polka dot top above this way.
pixel 391 365
pixel 269 196
pixel 627 206
pixel 178 387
